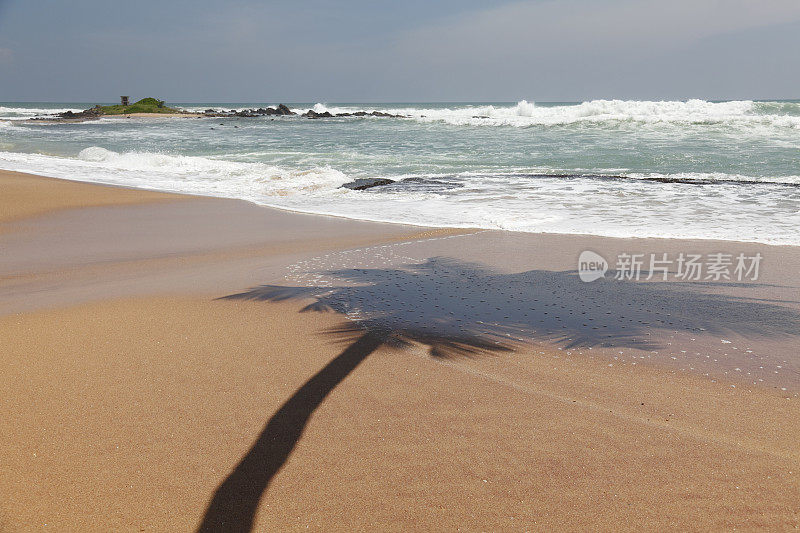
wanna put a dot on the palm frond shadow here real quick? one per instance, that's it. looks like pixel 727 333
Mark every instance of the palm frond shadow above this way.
pixel 463 309
pixel 443 300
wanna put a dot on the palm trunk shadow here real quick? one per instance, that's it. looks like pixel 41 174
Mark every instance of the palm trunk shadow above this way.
pixel 235 501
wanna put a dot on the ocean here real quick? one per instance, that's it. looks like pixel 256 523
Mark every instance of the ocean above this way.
pixel 676 169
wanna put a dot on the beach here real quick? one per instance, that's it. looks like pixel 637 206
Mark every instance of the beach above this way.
pixel 175 362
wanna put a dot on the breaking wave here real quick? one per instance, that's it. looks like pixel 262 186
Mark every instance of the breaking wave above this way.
pixel 24 113
pixel 527 114
pixel 178 173
pixel 739 113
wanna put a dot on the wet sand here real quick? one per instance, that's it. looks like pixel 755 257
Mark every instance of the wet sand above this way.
pixel 151 343
pixel 25 196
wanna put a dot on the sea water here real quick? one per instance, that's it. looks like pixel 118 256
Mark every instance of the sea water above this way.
pixel 690 169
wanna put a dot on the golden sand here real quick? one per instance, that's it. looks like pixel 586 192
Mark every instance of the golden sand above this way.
pixel 127 413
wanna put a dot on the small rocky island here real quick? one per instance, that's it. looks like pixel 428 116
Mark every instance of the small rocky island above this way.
pixel 156 106
pixel 145 105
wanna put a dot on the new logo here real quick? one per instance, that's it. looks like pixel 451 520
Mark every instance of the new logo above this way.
pixel 591 266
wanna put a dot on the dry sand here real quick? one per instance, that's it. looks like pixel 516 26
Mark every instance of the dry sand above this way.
pixel 130 393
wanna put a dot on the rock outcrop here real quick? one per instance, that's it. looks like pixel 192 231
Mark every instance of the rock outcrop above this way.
pixel 280 110
pixel 367 183
pixel 93 112
pixel 313 114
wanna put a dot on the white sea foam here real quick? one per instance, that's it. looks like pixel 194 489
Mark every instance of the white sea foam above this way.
pixel 24 113
pixel 613 207
pixel 527 114
pixel 742 113
pixel 190 174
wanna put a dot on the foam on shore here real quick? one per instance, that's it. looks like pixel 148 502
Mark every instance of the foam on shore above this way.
pixel 744 208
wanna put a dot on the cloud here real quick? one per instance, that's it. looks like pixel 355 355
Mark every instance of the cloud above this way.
pixel 590 27
pixel 415 50
pixel 574 48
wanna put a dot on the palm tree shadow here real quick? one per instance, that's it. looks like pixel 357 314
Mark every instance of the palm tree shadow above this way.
pixel 462 309
pixel 236 499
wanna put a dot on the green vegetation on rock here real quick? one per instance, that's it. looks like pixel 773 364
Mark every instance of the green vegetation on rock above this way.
pixel 145 105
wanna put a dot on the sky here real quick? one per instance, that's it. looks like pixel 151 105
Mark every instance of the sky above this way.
pixel 398 51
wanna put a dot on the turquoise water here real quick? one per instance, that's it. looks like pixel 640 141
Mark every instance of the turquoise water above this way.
pixel 696 169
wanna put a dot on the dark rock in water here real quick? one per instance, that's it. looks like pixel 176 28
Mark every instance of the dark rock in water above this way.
pixel 367 183
pixel 93 112
pixel 284 110
pixel 372 114
pixel 280 110
pixel 430 184
pixel 313 114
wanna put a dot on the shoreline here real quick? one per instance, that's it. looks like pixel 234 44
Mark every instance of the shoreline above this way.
pixel 146 354
pixel 494 245
pixel 698 241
